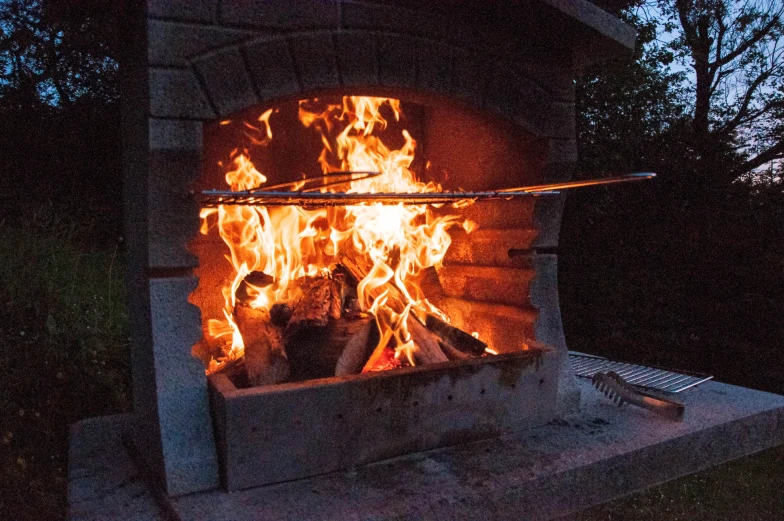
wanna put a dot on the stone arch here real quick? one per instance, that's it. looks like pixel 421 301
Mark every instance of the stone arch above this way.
pixel 217 83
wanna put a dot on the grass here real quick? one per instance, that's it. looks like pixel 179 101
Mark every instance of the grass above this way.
pixel 64 355
pixel 750 489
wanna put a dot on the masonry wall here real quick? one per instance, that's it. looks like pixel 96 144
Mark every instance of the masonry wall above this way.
pixel 208 59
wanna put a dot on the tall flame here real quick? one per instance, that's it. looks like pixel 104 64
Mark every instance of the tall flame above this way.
pixel 392 243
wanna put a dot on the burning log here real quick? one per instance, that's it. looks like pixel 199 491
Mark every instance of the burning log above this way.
pixel 395 298
pixel 358 349
pixel 265 359
pixel 385 361
pixel 315 352
pixel 280 314
pixel 319 302
pixel 452 353
pixel 454 337
pixel 315 334
pixel 235 371
pixel 434 333
pixel 428 283
pixel 428 350
pixel 246 288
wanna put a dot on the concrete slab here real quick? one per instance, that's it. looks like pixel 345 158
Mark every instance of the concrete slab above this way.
pixel 598 454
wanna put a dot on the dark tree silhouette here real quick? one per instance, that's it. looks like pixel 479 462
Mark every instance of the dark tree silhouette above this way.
pixel 736 52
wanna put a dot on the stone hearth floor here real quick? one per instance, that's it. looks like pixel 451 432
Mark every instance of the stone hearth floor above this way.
pixel 593 456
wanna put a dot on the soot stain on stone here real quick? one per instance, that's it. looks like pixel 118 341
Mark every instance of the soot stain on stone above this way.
pixel 512 369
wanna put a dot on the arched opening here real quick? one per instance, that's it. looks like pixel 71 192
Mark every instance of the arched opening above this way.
pixel 266 257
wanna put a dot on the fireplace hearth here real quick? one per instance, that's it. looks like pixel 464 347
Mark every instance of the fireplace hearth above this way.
pixel 488 92
pixel 499 432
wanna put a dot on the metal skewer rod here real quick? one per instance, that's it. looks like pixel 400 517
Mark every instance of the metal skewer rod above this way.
pixel 640 176
pixel 331 179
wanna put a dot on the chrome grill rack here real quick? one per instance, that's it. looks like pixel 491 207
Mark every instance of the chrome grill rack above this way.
pixel 585 366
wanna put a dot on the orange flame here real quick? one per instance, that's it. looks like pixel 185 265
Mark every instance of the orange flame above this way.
pixel 392 243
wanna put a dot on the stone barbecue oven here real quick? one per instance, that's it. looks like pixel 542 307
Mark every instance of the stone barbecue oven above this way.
pixel 489 94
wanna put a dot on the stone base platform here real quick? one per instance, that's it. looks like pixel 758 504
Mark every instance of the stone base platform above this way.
pixel 598 454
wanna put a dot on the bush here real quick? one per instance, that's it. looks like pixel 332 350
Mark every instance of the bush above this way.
pixel 64 350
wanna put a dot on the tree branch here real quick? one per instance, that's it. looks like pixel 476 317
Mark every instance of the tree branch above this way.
pixel 719 45
pixel 747 98
pixel 771 154
pixel 723 73
pixel 743 47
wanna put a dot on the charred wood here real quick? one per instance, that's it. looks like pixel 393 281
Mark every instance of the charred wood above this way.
pixel 453 353
pixel 428 350
pixel 320 301
pixel 456 338
pixel 314 351
pixel 358 349
pixel 280 314
pixel 265 359
pixel 255 279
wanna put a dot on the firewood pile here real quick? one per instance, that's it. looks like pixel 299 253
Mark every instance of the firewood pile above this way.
pixel 323 333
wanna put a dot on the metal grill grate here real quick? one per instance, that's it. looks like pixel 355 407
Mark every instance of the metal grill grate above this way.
pixel 586 366
pixel 213 198
pixel 309 192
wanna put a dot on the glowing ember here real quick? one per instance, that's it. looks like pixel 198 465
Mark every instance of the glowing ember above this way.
pixel 388 244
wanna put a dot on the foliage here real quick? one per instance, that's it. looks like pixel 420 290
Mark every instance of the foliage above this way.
pixel 64 354
pixel 62 282
pixel 60 139
pixel 56 52
pixel 683 271
pixel 735 51
pixel 626 105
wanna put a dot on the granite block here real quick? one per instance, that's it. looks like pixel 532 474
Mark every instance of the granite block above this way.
pixel 507 286
pixel 489 247
pixel 561 151
pixel 186 10
pixel 227 81
pixel 356 58
pixel 434 67
pixel 314 56
pixel 562 120
pixel 597 454
pixel 366 15
pixel 265 14
pixel 189 453
pixel 601 21
pixel 173 44
pixel 397 60
pixel 173 134
pixel 175 93
pixel 503 97
pixel 469 76
pixel 549 327
pixel 272 68
pixel 173 215
pixel 547 217
pixel 548 211
pixel 422 20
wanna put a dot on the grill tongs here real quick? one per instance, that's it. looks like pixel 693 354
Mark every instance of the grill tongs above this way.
pixel 621 392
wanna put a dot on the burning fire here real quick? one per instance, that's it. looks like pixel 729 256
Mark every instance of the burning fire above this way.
pixel 388 245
